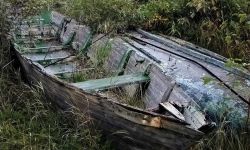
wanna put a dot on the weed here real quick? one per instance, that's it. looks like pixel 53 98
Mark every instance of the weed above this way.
pixel 224 138
pixel 102 54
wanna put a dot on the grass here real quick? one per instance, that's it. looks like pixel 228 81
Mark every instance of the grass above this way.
pixel 92 68
pixel 224 138
pixel 135 100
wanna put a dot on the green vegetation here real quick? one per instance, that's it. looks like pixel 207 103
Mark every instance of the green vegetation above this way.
pixel 219 25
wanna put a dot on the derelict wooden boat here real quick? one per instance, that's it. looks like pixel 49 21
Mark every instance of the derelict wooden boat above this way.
pixel 169 118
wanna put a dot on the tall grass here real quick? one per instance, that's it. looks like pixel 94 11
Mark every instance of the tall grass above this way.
pixel 224 138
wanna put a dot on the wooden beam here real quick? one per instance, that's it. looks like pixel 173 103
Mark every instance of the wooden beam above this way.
pixel 49 56
pixel 112 82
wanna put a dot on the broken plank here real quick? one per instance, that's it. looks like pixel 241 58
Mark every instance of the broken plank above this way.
pixel 172 110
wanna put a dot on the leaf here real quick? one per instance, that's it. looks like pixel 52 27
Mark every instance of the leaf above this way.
pixel 243 17
pixel 228 40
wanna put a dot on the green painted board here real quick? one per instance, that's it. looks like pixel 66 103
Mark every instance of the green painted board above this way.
pixel 112 82
pixel 60 69
pixel 49 56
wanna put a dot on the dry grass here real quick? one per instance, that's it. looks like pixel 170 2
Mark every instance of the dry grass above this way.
pixel 224 138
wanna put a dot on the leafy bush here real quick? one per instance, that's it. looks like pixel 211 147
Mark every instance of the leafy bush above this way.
pixel 104 15
pixel 220 25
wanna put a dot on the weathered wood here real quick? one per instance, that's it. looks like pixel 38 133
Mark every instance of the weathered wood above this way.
pixel 136 64
pixel 68 33
pixel 34 31
pixel 154 96
pixel 60 69
pixel 49 56
pixel 57 19
pixel 195 48
pixel 119 51
pixel 172 110
pixel 82 38
pixel 112 82
pixel 141 126
pixel 43 49
pixel 147 130
pixel 194 117
pixel 99 42
pixel 190 52
pixel 189 73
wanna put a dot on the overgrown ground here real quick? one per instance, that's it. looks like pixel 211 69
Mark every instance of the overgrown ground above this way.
pixel 27 120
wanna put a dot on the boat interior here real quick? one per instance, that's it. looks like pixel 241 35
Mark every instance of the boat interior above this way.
pixel 120 68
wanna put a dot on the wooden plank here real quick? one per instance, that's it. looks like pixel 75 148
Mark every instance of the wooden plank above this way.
pixel 191 110
pixel 40 57
pixel 154 96
pixel 195 48
pixel 34 31
pixel 28 40
pixel 119 54
pixel 172 110
pixel 195 117
pixel 112 82
pixel 82 38
pixel 68 33
pixel 57 19
pixel 43 49
pixel 195 54
pixel 60 69
pixel 136 64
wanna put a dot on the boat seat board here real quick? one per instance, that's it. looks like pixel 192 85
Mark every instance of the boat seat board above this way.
pixel 43 49
pixel 66 37
pixel 60 69
pixel 112 82
pixel 34 30
pixel 54 55
pixel 27 40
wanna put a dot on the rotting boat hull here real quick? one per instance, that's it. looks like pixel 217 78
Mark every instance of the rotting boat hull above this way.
pixel 128 127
